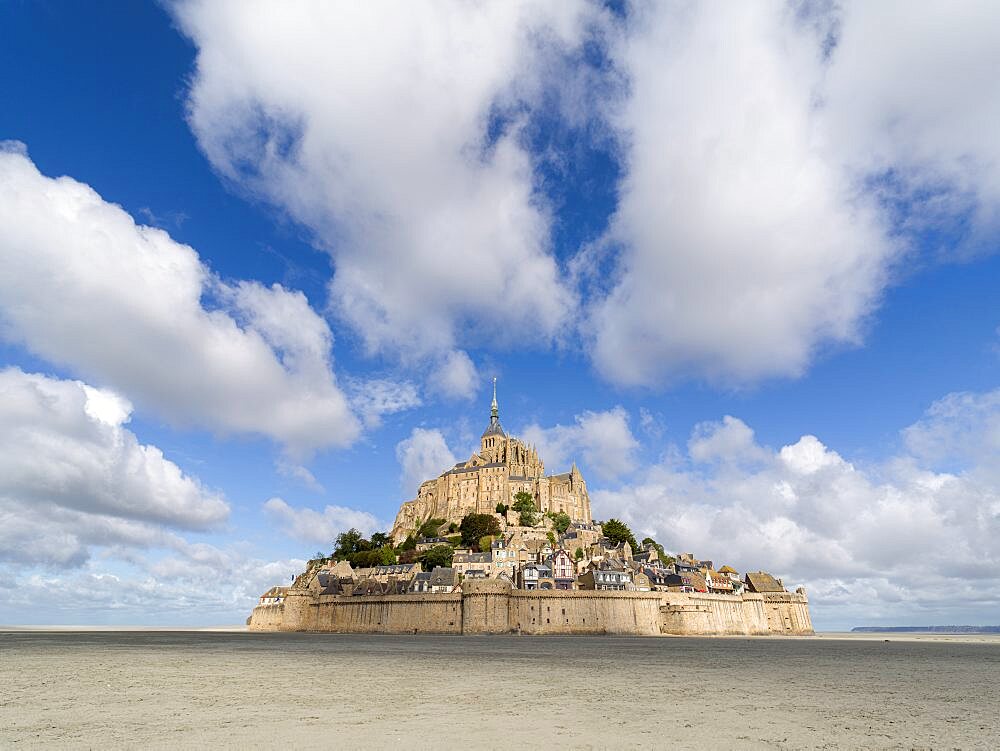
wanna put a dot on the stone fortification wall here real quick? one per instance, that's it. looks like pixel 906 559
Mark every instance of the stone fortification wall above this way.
pixel 491 607
pixel 555 612
pixel 393 614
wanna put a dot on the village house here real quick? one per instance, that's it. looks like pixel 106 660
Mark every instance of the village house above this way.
pixel 718 584
pixel 563 569
pixel 397 571
pixel 759 581
pixel 609 577
pixel 648 555
pixel 465 560
pixel 640 582
pixel 504 557
pixel 686 563
pixel 273 596
pixel 659 578
pixel 439 581
pixel 532 575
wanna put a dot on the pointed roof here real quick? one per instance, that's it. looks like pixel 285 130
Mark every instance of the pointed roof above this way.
pixel 494 427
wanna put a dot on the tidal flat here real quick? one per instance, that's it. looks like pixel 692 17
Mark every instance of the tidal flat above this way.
pixel 203 689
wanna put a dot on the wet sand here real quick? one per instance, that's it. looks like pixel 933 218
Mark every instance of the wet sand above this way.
pixel 177 689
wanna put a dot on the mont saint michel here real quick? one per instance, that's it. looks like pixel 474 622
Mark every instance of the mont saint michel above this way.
pixel 494 545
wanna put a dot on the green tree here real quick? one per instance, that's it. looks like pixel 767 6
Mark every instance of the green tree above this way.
pixel 502 509
pixel 560 520
pixel 365 558
pixel 439 555
pixel 618 532
pixel 524 505
pixel 578 554
pixel 475 526
pixel 410 543
pixel 486 543
pixel 551 538
pixel 430 528
pixel 387 554
pixel 452 528
pixel 380 539
pixel 347 543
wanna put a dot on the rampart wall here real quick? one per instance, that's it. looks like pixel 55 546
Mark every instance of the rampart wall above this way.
pixel 491 607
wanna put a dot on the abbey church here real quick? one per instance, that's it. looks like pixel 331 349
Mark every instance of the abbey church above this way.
pixel 503 467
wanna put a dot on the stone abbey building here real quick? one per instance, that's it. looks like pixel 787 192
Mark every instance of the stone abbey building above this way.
pixel 503 467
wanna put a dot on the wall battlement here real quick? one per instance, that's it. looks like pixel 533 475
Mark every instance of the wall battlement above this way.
pixel 492 607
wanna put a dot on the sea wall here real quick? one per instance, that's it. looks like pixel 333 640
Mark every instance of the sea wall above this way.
pixel 491 607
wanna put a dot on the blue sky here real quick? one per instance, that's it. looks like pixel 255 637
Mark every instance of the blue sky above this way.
pixel 739 263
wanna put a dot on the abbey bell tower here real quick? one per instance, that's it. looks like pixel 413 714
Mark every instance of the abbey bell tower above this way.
pixel 494 439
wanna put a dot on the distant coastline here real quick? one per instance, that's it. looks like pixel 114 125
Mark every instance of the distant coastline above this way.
pixel 926 630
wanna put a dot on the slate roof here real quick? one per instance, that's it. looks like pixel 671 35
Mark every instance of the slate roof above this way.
pixel 443 577
pixel 494 429
pixel 760 581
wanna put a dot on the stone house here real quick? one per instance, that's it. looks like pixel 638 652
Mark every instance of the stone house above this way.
pixel 640 582
pixel 686 563
pixel 659 578
pixel 273 596
pixel 439 581
pixel 396 571
pixel 465 560
pixel 605 579
pixel 504 557
pixel 648 555
pixel 760 581
pixel 718 584
pixel 443 580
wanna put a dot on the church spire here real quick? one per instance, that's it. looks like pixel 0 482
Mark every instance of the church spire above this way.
pixel 494 410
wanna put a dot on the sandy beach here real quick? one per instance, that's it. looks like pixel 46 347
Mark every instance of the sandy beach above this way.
pixel 215 688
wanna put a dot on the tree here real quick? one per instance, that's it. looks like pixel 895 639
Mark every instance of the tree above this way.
pixel 618 532
pixel 439 555
pixel 486 543
pixel 347 543
pixel 551 538
pixel 524 505
pixel 365 558
pixel 475 526
pixel 452 528
pixel 502 509
pixel 380 539
pixel 410 543
pixel 387 554
pixel 430 528
pixel 579 554
pixel 560 520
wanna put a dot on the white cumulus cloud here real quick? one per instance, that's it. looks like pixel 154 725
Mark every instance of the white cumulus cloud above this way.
pixel 82 285
pixel 898 540
pixel 742 242
pixel 601 440
pixel 320 527
pixel 71 477
pixel 393 132
pixel 422 456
